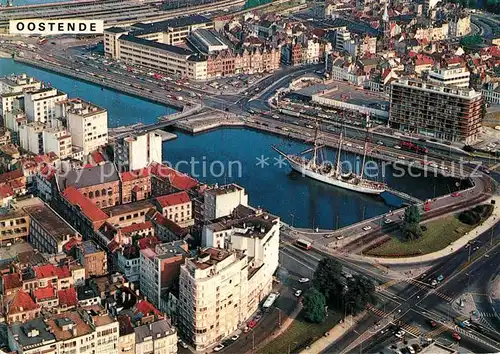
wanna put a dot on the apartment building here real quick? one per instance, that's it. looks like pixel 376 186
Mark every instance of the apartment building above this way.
pixel 213 290
pixel 14 226
pixel 158 337
pixel 160 268
pixel 58 141
pixel 87 123
pixel 76 331
pixel 48 231
pixel 222 200
pixel 439 111
pixel 12 92
pixel 138 151
pixel 455 75
pixel 40 105
pixel 135 185
pixel 176 207
pixel 31 137
pixel 256 234
pixel 92 258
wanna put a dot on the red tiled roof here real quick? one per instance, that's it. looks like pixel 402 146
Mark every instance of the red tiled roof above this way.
pixel 88 208
pixel 68 246
pixel 48 172
pixel 137 227
pixel 6 191
pixel 8 176
pixel 146 308
pixel 173 199
pixel 44 293
pixel 97 157
pixel 67 297
pixel 11 281
pixel 148 242
pixel 171 225
pixel 423 60
pixel 135 174
pixel 50 270
pixel 21 302
pixel 113 246
pixel 177 179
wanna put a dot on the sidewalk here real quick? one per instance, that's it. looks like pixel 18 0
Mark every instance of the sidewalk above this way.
pixel 284 326
pixel 333 334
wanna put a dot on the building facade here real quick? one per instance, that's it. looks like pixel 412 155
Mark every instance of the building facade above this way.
pixel 137 152
pixel 442 112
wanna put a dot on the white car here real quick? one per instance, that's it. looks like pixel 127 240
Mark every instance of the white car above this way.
pixel 298 293
pixel 367 228
pixel 235 337
pixel 219 347
pixel 340 237
pixel 380 142
pixel 397 147
pixel 182 343
pixel 303 280
pixel 400 334
pixel 387 221
pixel 434 282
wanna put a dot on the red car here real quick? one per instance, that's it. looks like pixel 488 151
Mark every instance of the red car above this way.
pixel 455 194
pixel 456 336
pixel 252 324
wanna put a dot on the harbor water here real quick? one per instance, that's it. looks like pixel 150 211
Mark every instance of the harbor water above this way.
pixel 245 157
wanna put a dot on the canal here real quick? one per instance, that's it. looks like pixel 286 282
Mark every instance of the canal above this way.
pixel 245 157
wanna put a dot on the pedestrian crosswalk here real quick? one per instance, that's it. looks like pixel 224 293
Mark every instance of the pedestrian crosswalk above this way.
pixel 425 286
pixel 411 329
pixel 436 332
pixel 376 311
pixel 487 314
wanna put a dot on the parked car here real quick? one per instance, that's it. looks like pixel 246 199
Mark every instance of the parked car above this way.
pixel 219 347
pixel 400 334
pixel 387 221
pixel 182 343
pixel 456 336
pixel 303 280
pixel 298 293
pixel 235 337
pixel 367 228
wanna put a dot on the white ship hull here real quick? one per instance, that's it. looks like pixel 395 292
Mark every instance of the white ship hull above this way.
pixel 333 181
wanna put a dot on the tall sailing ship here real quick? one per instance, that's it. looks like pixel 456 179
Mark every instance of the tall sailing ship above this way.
pixel 325 172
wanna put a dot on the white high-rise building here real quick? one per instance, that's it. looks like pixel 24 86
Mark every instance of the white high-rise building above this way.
pixel 12 92
pixel 227 281
pixel 31 137
pixel 221 201
pixel 213 291
pixel 457 76
pixel 87 123
pixel 40 105
pixel 58 141
pixel 136 152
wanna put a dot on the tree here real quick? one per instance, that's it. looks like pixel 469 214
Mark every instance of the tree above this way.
pixel 361 291
pixel 327 279
pixel 314 303
pixel 410 226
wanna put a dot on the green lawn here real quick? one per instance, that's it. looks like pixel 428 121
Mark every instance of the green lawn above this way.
pixel 439 234
pixel 299 332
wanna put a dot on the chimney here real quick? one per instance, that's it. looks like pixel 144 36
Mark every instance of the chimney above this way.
pixel 74 332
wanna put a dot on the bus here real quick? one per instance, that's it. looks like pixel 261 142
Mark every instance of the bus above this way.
pixel 303 244
pixel 269 301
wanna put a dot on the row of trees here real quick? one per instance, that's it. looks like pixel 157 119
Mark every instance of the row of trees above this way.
pixel 330 289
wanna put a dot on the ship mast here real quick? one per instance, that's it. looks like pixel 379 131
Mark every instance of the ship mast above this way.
pixel 366 146
pixel 316 145
pixel 337 166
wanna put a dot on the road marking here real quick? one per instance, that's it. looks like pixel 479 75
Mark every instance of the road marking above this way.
pixel 389 284
pixel 425 286
pixel 436 332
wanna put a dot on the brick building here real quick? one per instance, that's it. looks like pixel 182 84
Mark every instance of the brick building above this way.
pixel 135 185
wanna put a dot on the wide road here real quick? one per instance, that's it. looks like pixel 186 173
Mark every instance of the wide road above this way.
pixel 421 303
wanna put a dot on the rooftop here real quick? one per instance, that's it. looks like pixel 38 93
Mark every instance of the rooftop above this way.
pixel 68 325
pixel 177 179
pixel 88 208
pixel 89 247
pixel 51 222
pixel 209 257
pixel 50 270
pixel 173 199
pixel 225 189
pixel 134 175
pixel 128 208
pixel 162 26
pixel 33 333
pixel 85 177
pixel 162 46
pixel 158 329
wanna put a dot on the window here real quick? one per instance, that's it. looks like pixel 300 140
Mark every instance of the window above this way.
pixel 97 194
